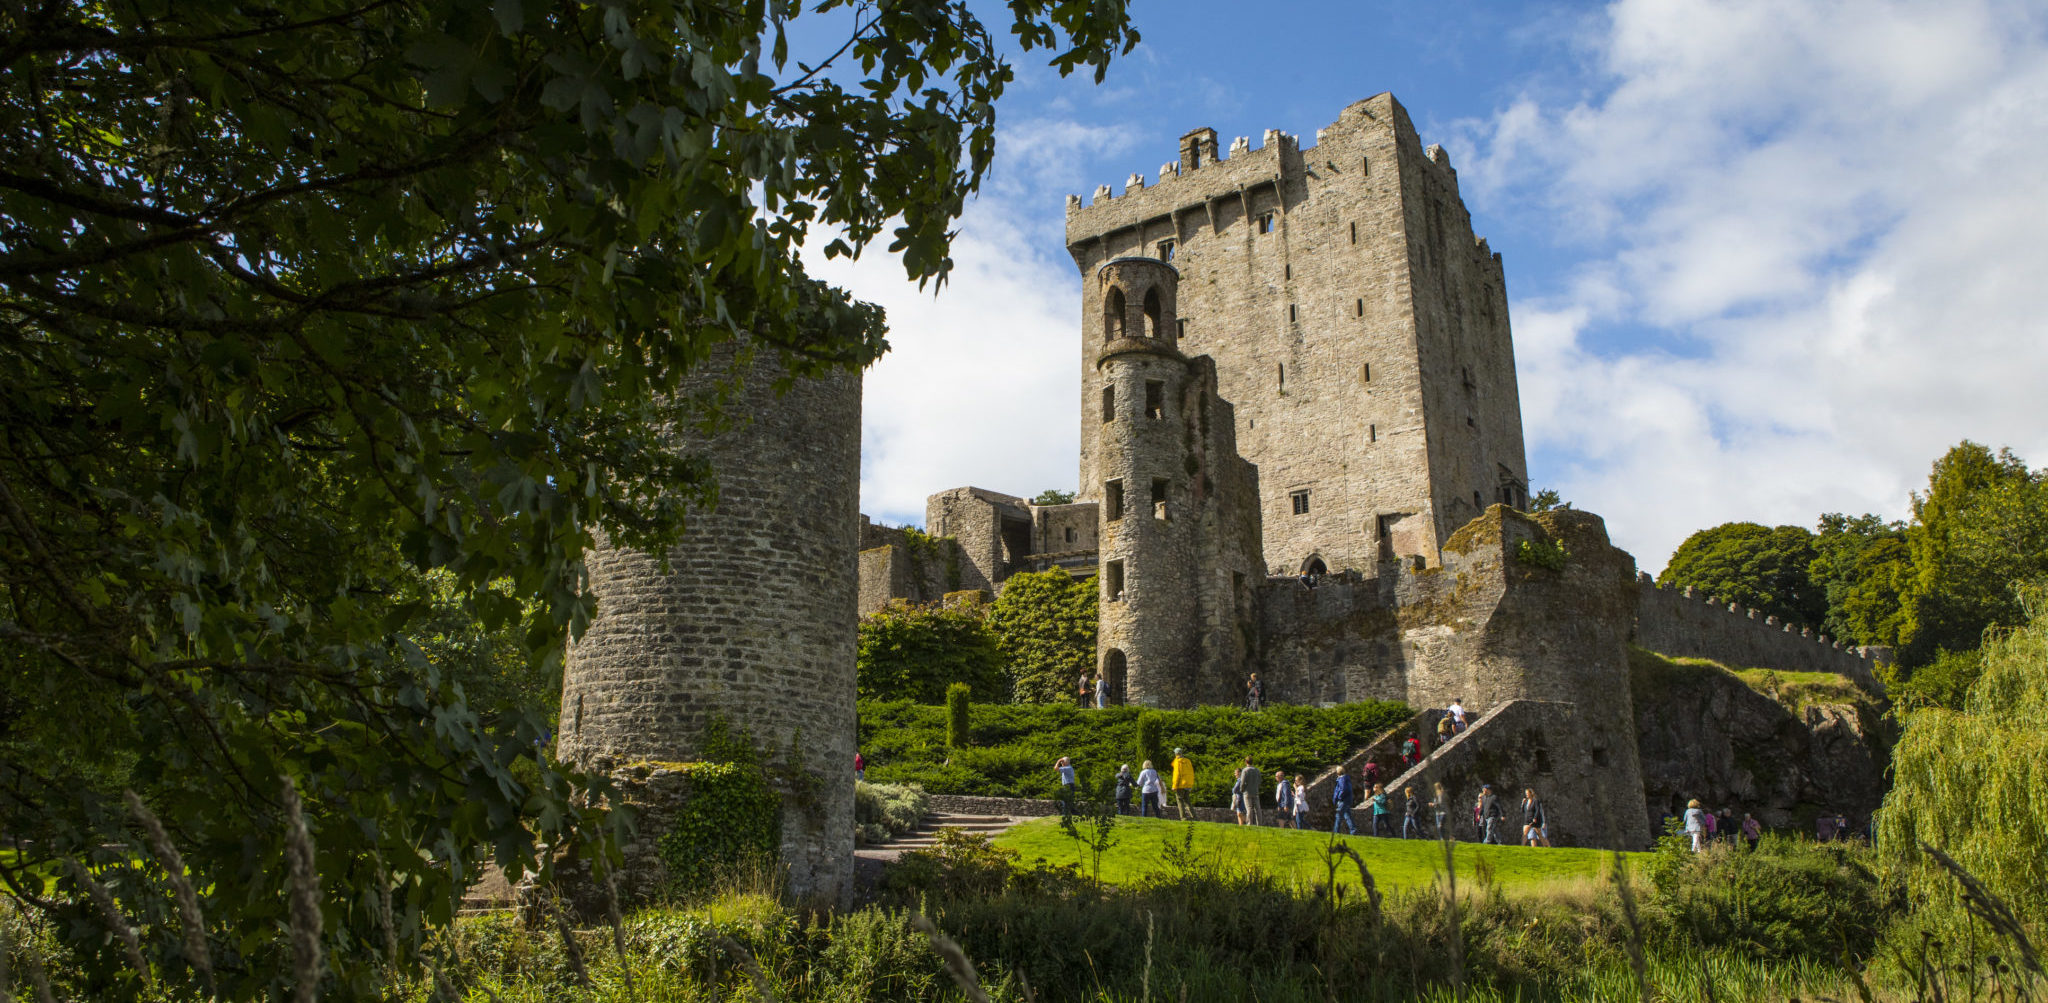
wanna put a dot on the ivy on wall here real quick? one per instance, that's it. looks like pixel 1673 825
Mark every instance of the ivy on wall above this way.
pixel 1044 623
pixel 729 816
pixel 1541 553
pixel 913 652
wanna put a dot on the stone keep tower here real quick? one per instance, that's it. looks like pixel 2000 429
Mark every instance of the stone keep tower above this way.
pixel 754 620
pixel 1357 325
pixel 1179 529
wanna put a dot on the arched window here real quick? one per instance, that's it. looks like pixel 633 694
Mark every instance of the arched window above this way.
pixel 1314 568
pixel 1113 314
pixel 1152 314
pixel 1115 671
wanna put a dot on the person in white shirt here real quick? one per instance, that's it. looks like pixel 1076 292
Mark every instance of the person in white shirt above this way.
pixel 1148 792
pixel 1457 712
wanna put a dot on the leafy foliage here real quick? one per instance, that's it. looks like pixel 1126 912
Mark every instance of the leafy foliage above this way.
pixel 1981 527
pixel 1754 565
pixel 1541 553
pixel 915 651
pixel 1014 746
pixel 1045 625
pixel 302 303
pixel 1053 496
pixel 1862 566
pixel 959 716
pixel 731 818
pixel 1547 499
pixel 1974 782
pixel 1786 899
pixel 1152 746
pixel 885 811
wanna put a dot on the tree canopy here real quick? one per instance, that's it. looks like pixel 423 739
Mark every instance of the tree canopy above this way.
pixel 1758 566
pixel 335 330
pixel 1980 530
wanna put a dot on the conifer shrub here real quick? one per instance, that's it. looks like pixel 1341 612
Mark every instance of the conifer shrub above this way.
pixel 958 717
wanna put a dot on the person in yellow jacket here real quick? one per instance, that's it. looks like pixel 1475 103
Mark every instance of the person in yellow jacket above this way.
pixel 1183 782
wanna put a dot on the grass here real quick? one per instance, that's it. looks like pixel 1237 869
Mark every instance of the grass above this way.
pixel 1653 673
pixel 1145 846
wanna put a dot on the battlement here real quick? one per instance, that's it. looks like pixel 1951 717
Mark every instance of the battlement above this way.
pixel 1200 175
pixel 1685 623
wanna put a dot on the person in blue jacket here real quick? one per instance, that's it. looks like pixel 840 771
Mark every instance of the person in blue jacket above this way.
pixel 1343 798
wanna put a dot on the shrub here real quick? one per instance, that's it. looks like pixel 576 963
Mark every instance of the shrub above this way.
pixel 957 715
pixel 885 811
pixel 1786 900
pixel 912 652
pixel 1044 624
pixel 1151 746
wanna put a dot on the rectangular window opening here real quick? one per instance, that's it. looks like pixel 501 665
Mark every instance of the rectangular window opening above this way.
pixel 1155 399
pixel 1108 403
pixel 1299 499
pixel 1166 248
pixel 1287 271
pixel 1266 223
pixel 1113 581
pixel 1159 498
pixel 1180 329
pixel 1113 500
pixel 1365 372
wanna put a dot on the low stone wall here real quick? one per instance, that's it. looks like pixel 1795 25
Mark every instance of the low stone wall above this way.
pixel 1385 749
pixel 959 804
pixel 1685 624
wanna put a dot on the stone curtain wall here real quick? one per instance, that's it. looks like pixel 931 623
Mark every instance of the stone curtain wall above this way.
pixel 1529 744
pixel 893 567
pixel 1683 624
pixel 754 620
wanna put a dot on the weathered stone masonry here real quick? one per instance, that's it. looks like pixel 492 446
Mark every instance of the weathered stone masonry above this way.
pixel 754 619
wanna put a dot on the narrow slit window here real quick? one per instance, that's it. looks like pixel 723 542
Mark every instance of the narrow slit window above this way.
pixel 1354 233
pixel 1266 223
pixel 1109 403
pixel 1372 433
pixel 1365 372
pixel 1299 500
pixel 1113 500
pixel 1159 498
pixel 1365 165
pixel 1360 307
pixel 1180 329
pixel 1113 580
pixel 1290 313
pixel 1287 271
pixel 1155 399
pixel 1281 369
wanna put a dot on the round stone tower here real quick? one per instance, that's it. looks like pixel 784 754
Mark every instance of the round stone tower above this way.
pixel 754 619
pixel 1147 642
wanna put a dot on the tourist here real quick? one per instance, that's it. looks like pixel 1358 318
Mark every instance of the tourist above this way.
pixel 1248 781
pixel 1066 771
pixel 1442 807
pixel 1752 830
pixel 1341 800
pixel 1372 774
pixel 1254 693
pixel 1148 792
pixel 1411 824
pixel 1283 799
pixel 1824 827
pixel 1444 728
pixel 1124 783
pixel 860 767
pixel 1382 816
pixel 1411 751
pixel 1300 800
pixel 1490 815
pixel 1101 692
pixel 1535 821
pixel 1083 689
pixel 1457 712
pixel 1724 825
pixel 1696 824
pixel 1183 783
pixel 1842 831
pixel 1713 827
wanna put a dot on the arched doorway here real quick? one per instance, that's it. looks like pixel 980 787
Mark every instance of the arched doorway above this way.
pixel 1152 314
pixel 1115 670
pixel 1314 567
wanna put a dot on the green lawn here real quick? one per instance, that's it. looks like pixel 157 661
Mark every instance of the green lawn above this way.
pixel 1299 855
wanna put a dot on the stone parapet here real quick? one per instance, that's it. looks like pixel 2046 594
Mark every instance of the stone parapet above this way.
pixel 1686 624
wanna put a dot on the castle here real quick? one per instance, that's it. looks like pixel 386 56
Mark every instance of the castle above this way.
pixel 1300 456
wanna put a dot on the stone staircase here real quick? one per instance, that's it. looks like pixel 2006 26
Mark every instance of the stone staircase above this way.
pixel 926 835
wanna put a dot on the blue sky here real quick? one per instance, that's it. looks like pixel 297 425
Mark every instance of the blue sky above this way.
pixel 1765 260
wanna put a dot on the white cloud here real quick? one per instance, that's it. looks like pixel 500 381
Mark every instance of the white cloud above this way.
pixel 1813 230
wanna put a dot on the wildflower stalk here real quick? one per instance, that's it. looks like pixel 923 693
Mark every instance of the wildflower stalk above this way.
pixel 949 952
pixel 190 922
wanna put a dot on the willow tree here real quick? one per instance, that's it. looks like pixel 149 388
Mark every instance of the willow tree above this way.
pixel 1973 783
pixel 323 324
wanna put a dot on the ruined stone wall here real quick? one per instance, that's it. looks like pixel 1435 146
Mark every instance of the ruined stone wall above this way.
pixel 974 517
pixel 754 620
pixel 895 564
pixel 1682 623
pixel 1309 275
pixel 1485 628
